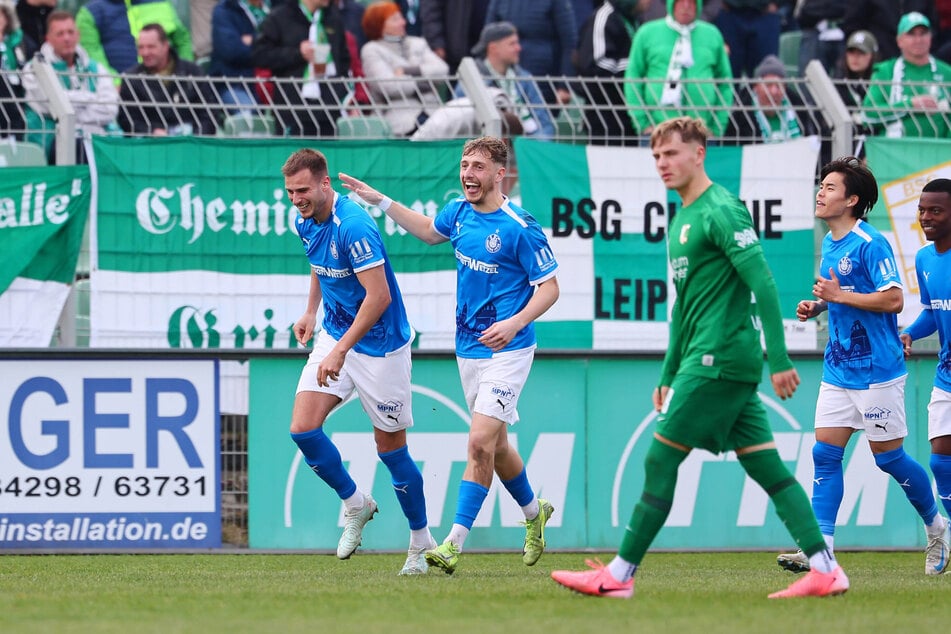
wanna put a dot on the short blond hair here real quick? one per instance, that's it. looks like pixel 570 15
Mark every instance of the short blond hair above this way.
pixel 689 129
pixel 496 148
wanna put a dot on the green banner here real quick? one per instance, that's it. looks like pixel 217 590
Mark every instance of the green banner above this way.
pixel 43 214
pixel 902 167
pixel 584 431
pixel 607 211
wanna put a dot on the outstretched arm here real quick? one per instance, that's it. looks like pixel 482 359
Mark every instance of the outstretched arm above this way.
pixel 417 224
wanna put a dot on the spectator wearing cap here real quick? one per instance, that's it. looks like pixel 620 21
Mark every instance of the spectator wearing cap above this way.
pixel 769 108
pixel 854 68
pixel 880 17
pixel 908 94
pixel 512 88
pixel 401 69
pixel 668 51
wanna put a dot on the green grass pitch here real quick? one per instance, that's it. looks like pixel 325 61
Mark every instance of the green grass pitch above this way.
pixel 284 593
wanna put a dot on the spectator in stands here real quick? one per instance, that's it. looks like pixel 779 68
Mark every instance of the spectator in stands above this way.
pixel 769 109
pixel 33 15
pixel 515 92
pixel 12 59
pixel 305 41
pixel 157 99
pixel 942 34
pixel 909 94
pixel 391 60
pixel 89 86
pixel 200 13
pixel 854 68
pixel 234 25
pixel 881 17
pixel 108 30
pixel 452 27
pixel 548 36
pixel 603 49
pixel 667 52
pixel 750 29
pixel 351 13
pixel 820 22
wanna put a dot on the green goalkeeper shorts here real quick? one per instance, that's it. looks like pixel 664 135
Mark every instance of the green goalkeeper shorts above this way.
pixel 713 414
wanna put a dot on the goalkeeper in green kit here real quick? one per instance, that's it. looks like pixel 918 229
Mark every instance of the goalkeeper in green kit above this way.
pixel 707 391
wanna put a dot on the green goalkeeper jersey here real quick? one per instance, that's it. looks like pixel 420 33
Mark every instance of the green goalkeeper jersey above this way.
pixel 724 290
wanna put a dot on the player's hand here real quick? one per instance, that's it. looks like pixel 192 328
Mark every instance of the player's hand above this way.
pixel 828 289
pixel 329 368
pixel 785 383
pixel 906 343
pixel 807 308
pixel 304 328
pixel 360 188
pixel 499 334
pixel 659 396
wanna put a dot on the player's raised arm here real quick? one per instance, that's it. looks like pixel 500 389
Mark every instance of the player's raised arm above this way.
pixel 417 224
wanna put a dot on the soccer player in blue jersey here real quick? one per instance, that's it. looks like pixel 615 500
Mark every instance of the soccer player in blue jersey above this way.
pixel 363 345
pixel 933 268
pixel 505 281
pixel 863 378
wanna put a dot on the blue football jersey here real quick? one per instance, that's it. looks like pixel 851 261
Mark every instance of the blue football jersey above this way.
pixel 863 347
pixel 347 243
pixel 933 270
pixel 500 257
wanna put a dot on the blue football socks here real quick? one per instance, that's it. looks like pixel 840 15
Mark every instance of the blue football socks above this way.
pixel 827 484
pixel 471 497
pixel 913 479
pixel 408 484
pixel 324 459
pixel 941 468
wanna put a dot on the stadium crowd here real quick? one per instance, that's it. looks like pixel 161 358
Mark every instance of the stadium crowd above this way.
pixel 308 68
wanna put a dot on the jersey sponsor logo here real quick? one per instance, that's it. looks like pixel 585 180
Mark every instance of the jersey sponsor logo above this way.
pixel 684 230
pixel 680 266
pixel 877 413
pixel 333 249
pixel 941 304
pixel 493 243
pixel 476 264
pixel 391 409
pixel 844 266
pixel 745 238
pixel 326 271
pixel 503 394
pixel 361 251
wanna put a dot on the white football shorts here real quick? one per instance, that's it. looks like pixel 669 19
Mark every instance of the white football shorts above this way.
pixel 879 410
pixel 493 386
pixel 939 414
pixel 383 384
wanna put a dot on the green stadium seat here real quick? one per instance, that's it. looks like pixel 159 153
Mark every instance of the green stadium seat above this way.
pixel 368 127
pixel 21 154
pixel 244 125
pixel 789 43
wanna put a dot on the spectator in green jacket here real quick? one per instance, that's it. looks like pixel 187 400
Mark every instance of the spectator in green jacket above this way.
pixel 671 55
pixel 908 95
pixel 109 29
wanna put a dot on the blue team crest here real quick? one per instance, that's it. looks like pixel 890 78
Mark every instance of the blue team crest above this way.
pixel 493 243
pixel 845 265
pixel 333 249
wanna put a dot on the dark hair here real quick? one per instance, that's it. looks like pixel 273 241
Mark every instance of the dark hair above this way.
pixel 305 159
pixel 689 129
pixel 159 30
pixel 859 181
pixel 495 147
pixel 938 185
